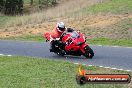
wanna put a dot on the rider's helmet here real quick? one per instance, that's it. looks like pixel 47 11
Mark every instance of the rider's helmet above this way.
pixel 60 27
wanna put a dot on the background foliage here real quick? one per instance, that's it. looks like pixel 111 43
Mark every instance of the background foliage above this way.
pixel 16 6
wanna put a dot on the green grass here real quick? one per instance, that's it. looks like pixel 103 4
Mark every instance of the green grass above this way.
pixel 111 42
pixel 112 6
pixel 27 72
pixel 27 38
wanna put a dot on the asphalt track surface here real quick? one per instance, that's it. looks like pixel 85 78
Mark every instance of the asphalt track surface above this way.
pixel 114 57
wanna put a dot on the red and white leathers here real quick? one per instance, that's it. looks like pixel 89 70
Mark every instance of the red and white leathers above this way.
pixel 53 34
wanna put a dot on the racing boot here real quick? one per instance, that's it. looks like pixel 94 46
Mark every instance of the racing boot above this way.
pixel 52 46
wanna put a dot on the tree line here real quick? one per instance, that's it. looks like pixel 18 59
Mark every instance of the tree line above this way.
pixel 16 6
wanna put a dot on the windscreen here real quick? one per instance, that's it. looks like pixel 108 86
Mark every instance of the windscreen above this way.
pixel 74 34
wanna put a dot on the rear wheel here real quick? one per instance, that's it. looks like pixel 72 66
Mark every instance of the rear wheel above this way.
pixel 88 52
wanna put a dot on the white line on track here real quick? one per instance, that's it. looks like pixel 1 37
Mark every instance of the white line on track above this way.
pixel 120 69
pixel 5 55
pixel 108 67
pixel 1 54
pixel 9 55
pixel 76 63
pixel 113 68
pixel 88 65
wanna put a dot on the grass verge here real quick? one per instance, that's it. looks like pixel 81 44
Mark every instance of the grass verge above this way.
pixel 26 38
pixel 27 72
pixel 111 42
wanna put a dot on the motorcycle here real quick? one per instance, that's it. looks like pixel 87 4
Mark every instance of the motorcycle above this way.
pixel 72 43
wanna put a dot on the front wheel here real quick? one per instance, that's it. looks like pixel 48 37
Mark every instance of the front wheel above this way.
pixel 88 52
pixel 61 53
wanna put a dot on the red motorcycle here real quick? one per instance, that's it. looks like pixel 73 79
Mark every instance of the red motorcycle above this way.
pixel 72 43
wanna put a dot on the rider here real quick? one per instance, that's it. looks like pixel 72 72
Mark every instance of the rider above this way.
pixel 56 33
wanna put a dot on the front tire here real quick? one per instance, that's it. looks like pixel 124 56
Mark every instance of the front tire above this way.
pixel 88 52
pixel 61 53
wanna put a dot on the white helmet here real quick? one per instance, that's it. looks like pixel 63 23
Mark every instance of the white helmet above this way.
pixel 61 26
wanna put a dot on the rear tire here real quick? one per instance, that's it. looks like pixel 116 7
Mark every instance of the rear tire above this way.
pixel 88 52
